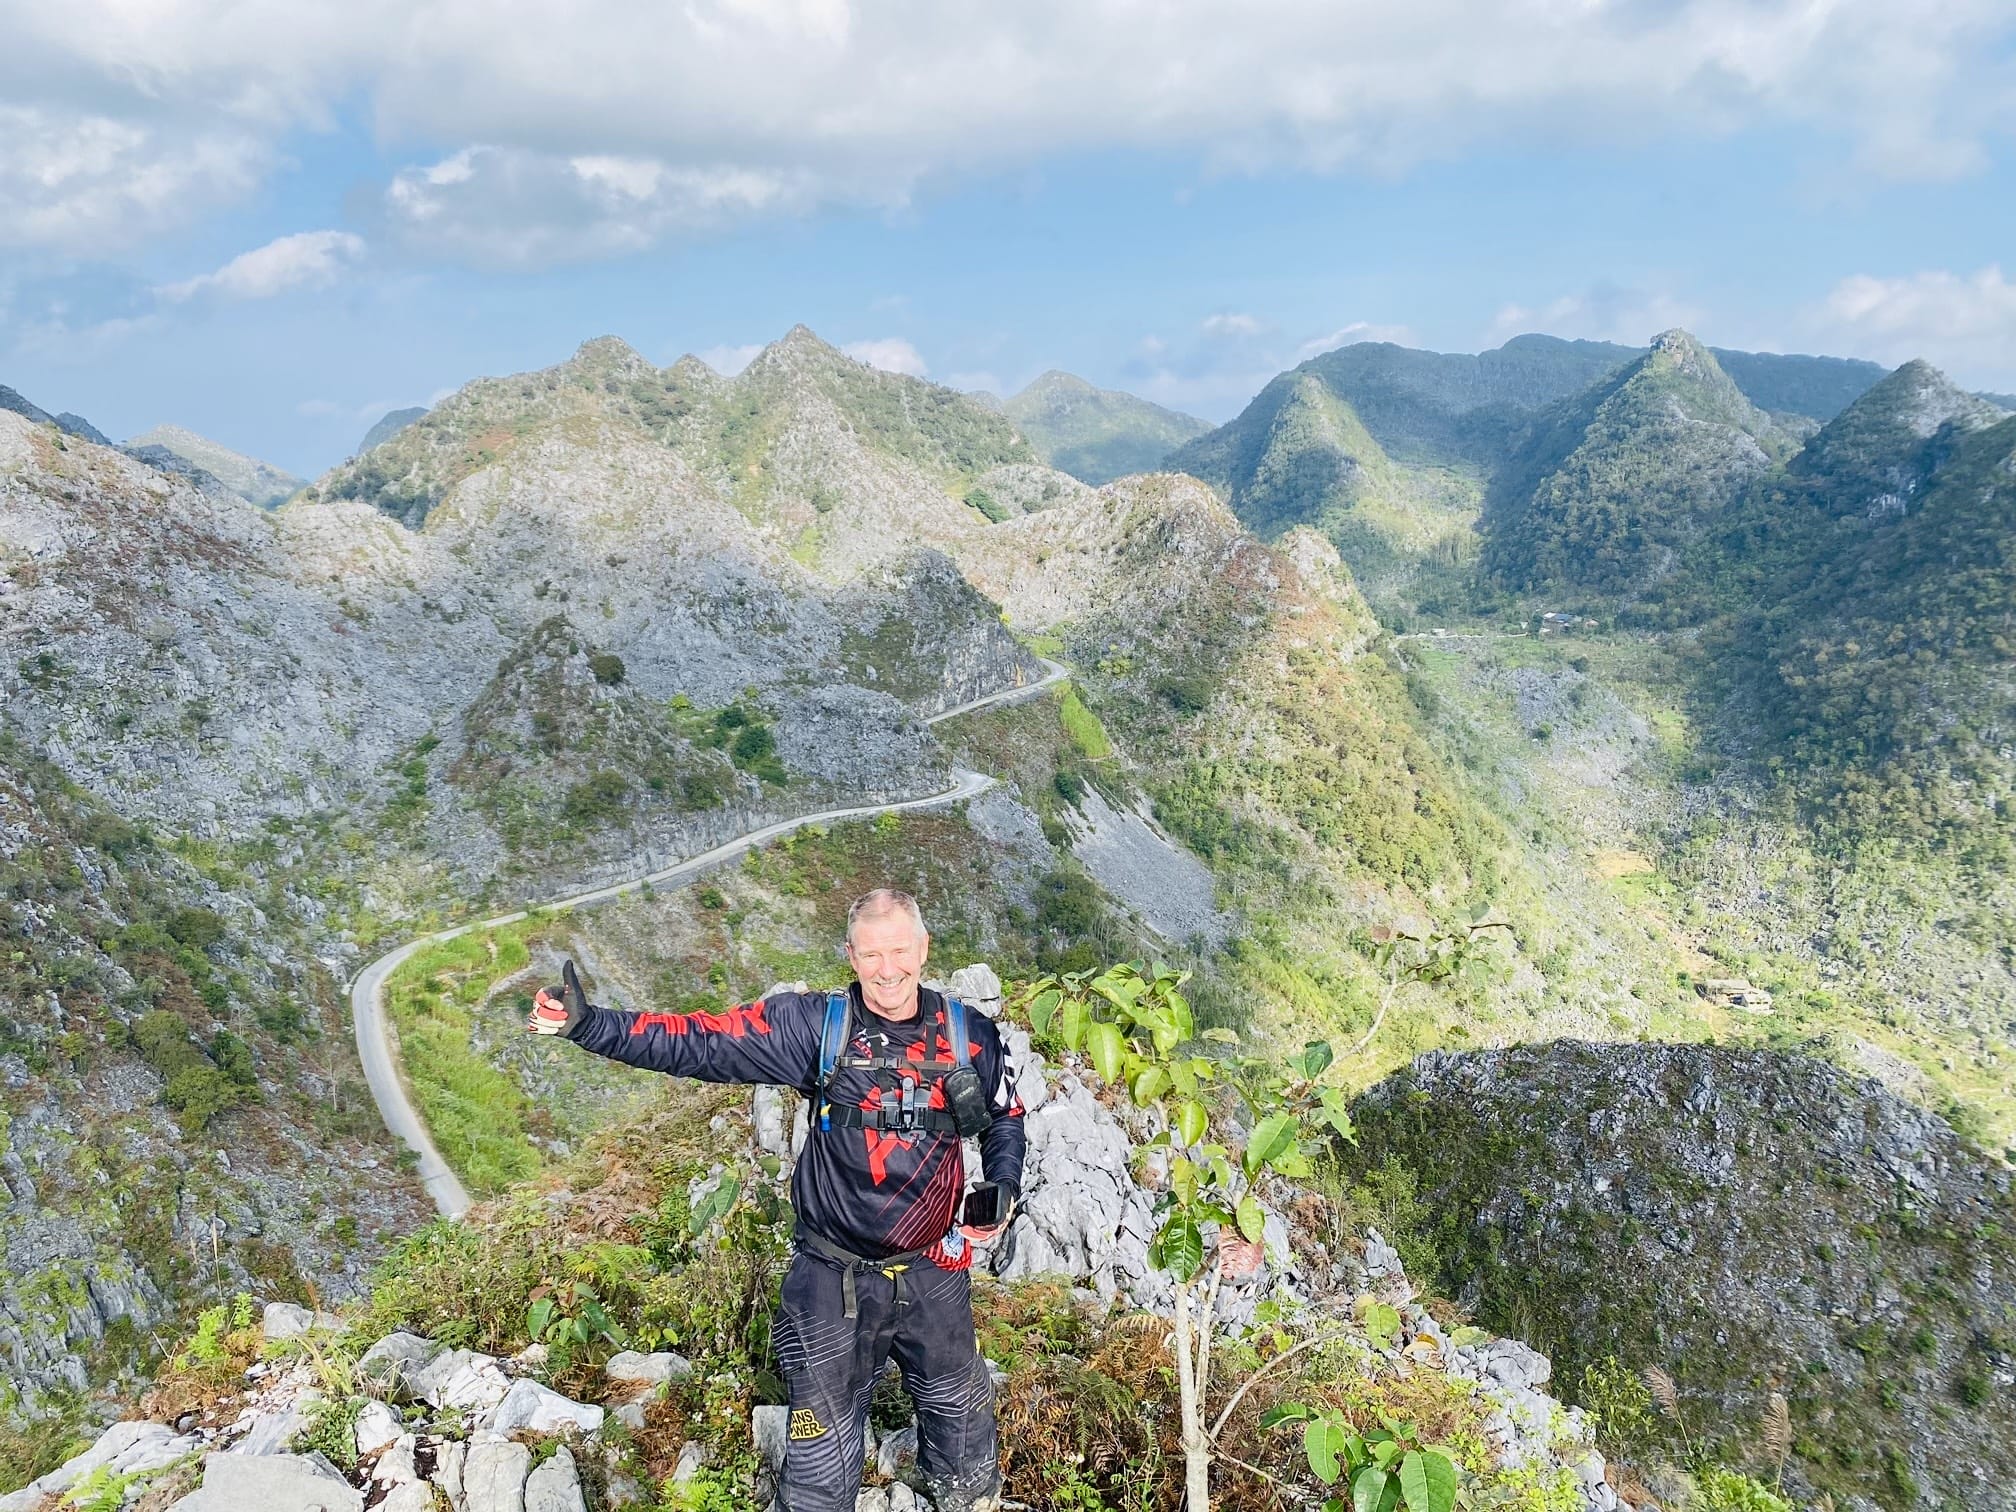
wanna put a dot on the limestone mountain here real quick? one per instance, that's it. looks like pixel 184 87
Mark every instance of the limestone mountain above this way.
pixel 71 425
pixel 1747 1221
pixel 1607 489
pixel 256 482
pixel 389 425
pixel 1096 434
pixel 1884 663
pixel 1301 455
pixel 824 459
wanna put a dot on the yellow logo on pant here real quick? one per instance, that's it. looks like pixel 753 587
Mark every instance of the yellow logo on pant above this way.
pixel 806 1425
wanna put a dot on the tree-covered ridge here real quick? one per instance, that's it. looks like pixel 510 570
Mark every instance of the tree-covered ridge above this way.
pixel 1301 455
pixel 1096 434
pixel 1886 662
pixel 1607 489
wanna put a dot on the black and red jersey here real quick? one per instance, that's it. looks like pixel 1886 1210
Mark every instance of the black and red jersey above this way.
pixel 873 1191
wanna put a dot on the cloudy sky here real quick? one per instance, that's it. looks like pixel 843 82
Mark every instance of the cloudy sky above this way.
pixel 271 220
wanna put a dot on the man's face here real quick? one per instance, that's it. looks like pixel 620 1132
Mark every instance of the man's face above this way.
pixel 887 954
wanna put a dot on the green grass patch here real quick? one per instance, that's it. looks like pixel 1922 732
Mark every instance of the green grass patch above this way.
pixel 1083 726
pixel 478 1114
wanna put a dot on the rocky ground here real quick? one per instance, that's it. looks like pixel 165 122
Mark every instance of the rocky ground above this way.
pixel 1749 1221
pixel 405 1420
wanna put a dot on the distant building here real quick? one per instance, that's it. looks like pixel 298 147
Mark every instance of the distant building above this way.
pixel 1734 992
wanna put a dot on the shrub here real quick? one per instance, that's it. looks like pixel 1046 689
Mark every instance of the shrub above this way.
pixel 607 667
pixel 596 801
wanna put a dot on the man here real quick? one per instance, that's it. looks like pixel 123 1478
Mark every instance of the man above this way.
pixel 882 1264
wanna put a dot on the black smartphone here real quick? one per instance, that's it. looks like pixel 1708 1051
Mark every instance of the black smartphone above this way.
pixel 986 1205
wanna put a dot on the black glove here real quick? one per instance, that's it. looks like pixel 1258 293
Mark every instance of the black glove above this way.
pixel 559 1012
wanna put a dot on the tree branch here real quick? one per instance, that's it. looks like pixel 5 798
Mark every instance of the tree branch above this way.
pixel 1293 1349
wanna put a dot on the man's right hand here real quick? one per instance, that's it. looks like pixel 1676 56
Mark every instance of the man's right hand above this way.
pixel 558 1012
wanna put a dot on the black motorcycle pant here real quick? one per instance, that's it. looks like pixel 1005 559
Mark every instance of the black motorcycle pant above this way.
pixel 922 1317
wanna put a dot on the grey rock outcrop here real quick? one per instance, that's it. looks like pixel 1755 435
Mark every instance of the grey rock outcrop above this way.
pixel 493 1475
pixel 528 1406
pixel 268 1483
pixel 555 1486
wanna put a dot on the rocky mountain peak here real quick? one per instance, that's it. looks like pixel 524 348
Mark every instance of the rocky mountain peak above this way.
pixel 612 356
pixel 1924 400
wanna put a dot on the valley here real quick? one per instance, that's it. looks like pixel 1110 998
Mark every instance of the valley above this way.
pixel 1636 667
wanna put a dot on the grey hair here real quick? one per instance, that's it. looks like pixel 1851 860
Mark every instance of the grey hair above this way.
pixel 880 903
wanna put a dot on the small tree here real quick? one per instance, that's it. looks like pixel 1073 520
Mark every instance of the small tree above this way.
pixel 1135 1027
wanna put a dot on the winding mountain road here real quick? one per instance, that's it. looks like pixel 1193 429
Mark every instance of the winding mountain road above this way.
pixel 367 989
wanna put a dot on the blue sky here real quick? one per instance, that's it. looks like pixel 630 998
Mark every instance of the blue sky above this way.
pixel 270 222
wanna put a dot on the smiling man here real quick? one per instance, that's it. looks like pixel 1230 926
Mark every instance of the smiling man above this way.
pixel 897 1074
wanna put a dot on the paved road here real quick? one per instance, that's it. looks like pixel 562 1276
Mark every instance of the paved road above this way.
pixel 367 991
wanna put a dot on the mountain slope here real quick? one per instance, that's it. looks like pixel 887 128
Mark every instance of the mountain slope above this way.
pixel 389 425
pixel 258 483
pixel 1097 434
pixel 1748 1221
pixel 1300 455
pixel 1608 488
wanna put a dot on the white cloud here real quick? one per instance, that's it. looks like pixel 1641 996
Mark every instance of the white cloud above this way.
pixel 1350 335
pixel 1605 312
pixel 892 354
pixel 305 260
pixel 729 360
pixel 1964 323
pixel 571 131
pixel 82 182
pixel 1232 325
pixel 514 207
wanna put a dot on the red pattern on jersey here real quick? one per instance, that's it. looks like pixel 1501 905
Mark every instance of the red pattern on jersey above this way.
pixel 735 1023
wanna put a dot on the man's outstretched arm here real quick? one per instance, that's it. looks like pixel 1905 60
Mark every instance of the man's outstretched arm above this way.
pixel 772 1042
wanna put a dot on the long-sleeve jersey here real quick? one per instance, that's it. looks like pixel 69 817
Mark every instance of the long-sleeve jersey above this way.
pixel 871 1191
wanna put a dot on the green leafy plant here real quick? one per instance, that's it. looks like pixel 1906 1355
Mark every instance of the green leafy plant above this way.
pixel 1135 1027
pixel 1382 1468
pixel 570 1320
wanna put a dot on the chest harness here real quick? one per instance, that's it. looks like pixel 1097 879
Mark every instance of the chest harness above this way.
pixel 903 1109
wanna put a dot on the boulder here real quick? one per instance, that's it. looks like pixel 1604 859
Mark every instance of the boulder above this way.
pixel 978 987
pixel 769 1427
pixel 528 1405
pixel 408 1496
pixel 286 1320
pixel 377 1426
pixel 897 1453
pixel 449 1457
pixel 493 1475
pixel 555 1486
pixel 396 1465
pixel 465 1379
pixel 271 1483
pixel 394 1365
pixel 693 1458
pixel 124 1448
pixel 630 1415
pixel 649 1368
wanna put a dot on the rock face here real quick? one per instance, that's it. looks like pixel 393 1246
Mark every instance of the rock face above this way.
pixel 259 484
pixel 302 1482
pixel 1746 1220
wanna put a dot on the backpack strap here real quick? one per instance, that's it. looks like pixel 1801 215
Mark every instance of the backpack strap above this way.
pixel 832 1045
pixel 955 1031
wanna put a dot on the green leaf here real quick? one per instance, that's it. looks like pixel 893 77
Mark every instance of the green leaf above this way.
pixel 1220 1036
pixel 1150 1083
pixel 1467 1335
pixel 1428 1481
pixel 1182 1247
pixel 1368 1489
pixel 1108 1049
pixel 1252 1218
pixel 1382 1324
pixel 1043 1009
pixel 1287 1412
pixel 1071 1023
pixel 1184 1077
pixel 538 1318
pixel 1323 1441
pixel 1191 1121
pixel 1272 1135
pixel 1316 1058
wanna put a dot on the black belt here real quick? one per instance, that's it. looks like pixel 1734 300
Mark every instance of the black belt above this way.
pixel 852 1264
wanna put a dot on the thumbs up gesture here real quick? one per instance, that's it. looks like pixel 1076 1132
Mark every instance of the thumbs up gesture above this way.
pixel 559 1012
